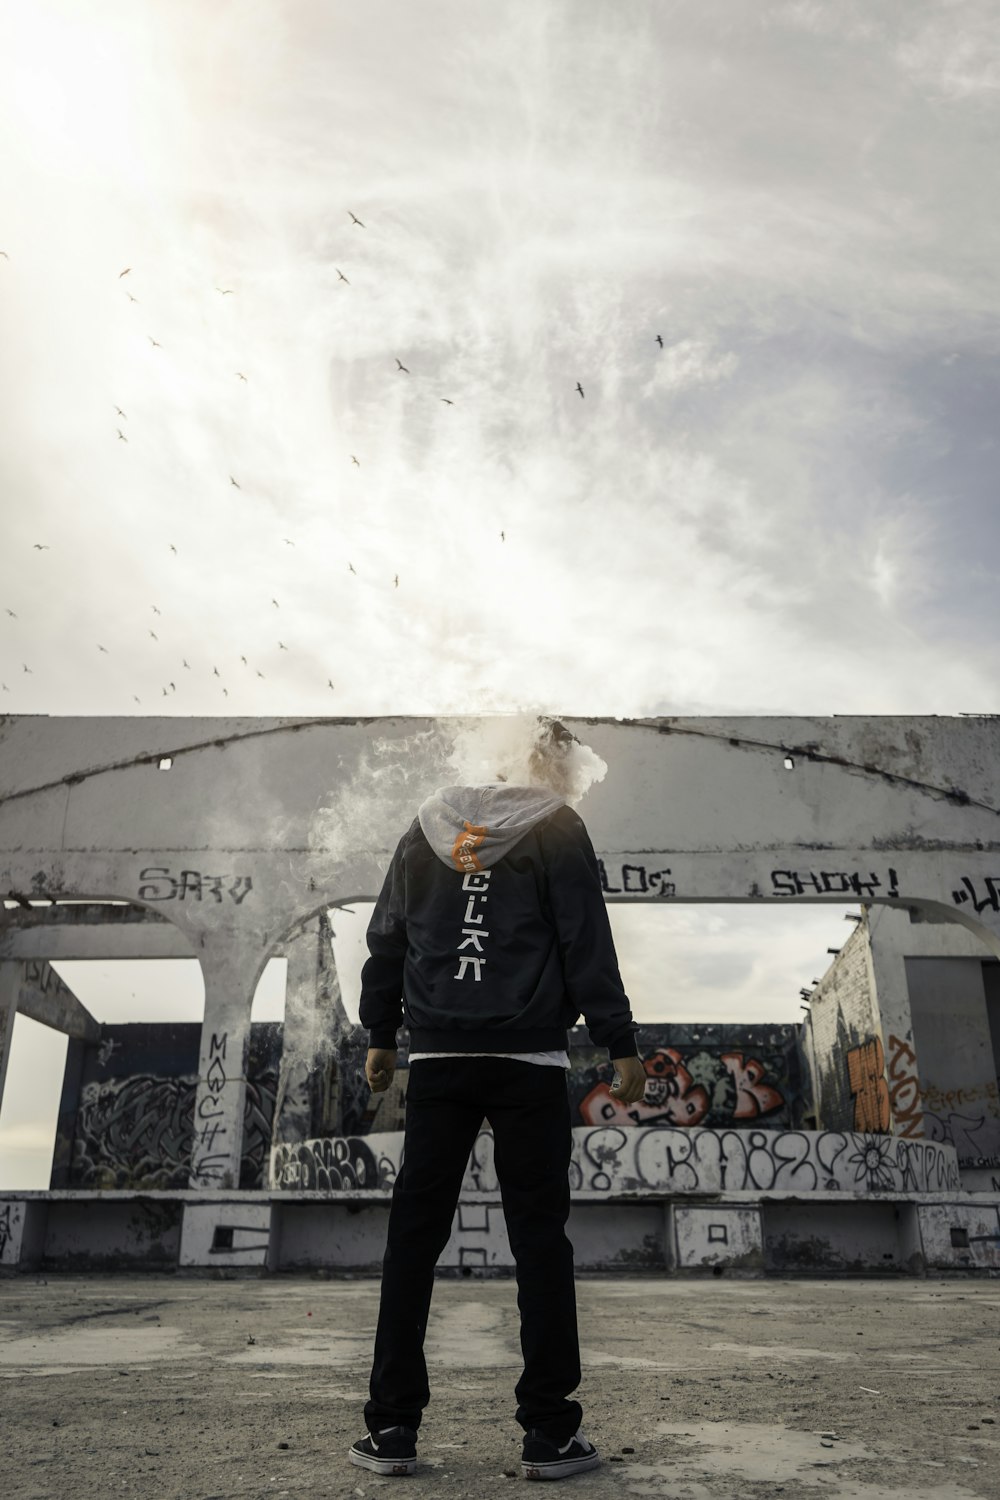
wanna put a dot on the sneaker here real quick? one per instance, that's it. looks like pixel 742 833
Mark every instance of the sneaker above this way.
pixel 543 1459
pixel 391 1451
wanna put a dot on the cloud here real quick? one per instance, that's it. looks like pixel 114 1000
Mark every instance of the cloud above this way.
pixel 726 521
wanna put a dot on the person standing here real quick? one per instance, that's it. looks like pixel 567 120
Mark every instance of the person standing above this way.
pixel 490 938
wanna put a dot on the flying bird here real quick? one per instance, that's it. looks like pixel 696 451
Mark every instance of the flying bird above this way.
pixel 216 671
pixel 154 635
pixel 120 412
pixel 6 257
pixel 244 661
pixel 153 341
pixel 102 648
pixel 395 582
pixel 173 687
pixel 164 692
pixel 260 674
pixel 130 297
pixel 233 481
pixel 355 461
pixel 173 548
pixel 124 273
pixel 185 664
pixel 356 219
pixel 135 699
pixel 154 609
pixel 3 684
pixel 226 691
pixel 503 536
pixel 240 375
pixel 446 401
pixel 400 364
pixel 12 614
pixel 659 340
pixel 275 603
pixel 352 569
pixel 341 274
pixel 121 435
pixel 40 547
pixel 287 542
pixel 282 645
pixel 330 684
pixel 579 387
pixel 28 670
pixel 226 291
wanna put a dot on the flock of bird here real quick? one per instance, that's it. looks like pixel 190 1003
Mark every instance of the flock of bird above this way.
pixel 171 687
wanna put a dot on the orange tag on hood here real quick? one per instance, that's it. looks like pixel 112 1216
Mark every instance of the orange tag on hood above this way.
pixel 465 846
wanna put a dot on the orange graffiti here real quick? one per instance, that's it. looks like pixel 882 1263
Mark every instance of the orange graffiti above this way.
pixel 865 1068
pixel 753 1097
pixel 904 1089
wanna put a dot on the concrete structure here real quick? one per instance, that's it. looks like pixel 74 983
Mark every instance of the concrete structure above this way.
pixel 903 1035
pixel 228 839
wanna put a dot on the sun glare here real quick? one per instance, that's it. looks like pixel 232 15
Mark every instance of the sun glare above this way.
pixel 74 91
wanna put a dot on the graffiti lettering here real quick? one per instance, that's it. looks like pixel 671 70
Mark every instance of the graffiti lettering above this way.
pixel 331 1165
pixel 667 1159
pixel 636 880
pixel 990 900
pixel 960 1131
pixel 904 1089
pixel 865 1067
pixel 40 975
pixel 157 884
pixel 833 883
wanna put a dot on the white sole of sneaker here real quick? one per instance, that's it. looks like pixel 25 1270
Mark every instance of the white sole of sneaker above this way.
pixel 383 1465
pixel 561 1469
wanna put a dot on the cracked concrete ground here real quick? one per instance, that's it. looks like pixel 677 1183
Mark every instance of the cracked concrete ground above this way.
pixel 172 1386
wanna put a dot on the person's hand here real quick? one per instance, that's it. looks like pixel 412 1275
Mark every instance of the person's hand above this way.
pixel 631 1083
pixel 380 1065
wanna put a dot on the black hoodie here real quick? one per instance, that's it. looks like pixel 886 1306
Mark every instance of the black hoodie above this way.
pixel 491 934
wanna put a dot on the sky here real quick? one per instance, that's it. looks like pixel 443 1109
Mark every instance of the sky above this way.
pixel 210 452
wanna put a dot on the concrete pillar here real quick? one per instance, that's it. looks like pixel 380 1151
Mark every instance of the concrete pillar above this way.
pixel 10 984
pixel 315 1019
pixel 220 1102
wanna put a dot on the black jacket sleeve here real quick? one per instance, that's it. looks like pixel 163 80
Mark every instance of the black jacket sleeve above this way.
pixel 381 1008
pixel 590 964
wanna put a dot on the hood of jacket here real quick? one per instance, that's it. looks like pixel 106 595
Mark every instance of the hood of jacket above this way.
pixel 472 827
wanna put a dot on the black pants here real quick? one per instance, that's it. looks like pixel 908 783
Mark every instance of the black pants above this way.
pixel 527 1106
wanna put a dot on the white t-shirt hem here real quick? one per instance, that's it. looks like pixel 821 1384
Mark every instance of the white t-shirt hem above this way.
pixel 544 1059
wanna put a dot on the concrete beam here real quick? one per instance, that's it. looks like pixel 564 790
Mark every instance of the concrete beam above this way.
pixel 78 914
pixel 96 942
pixel 44 997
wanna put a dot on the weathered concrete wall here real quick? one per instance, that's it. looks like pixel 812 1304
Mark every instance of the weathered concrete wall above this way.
pixel 954 1049
pixel 929 979
pixel 844 1043
pixel 259 825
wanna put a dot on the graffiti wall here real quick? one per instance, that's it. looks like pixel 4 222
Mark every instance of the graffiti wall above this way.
pixel 126 1119
pixel 609 1159
pixel 738 1076
pixel 127 1110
